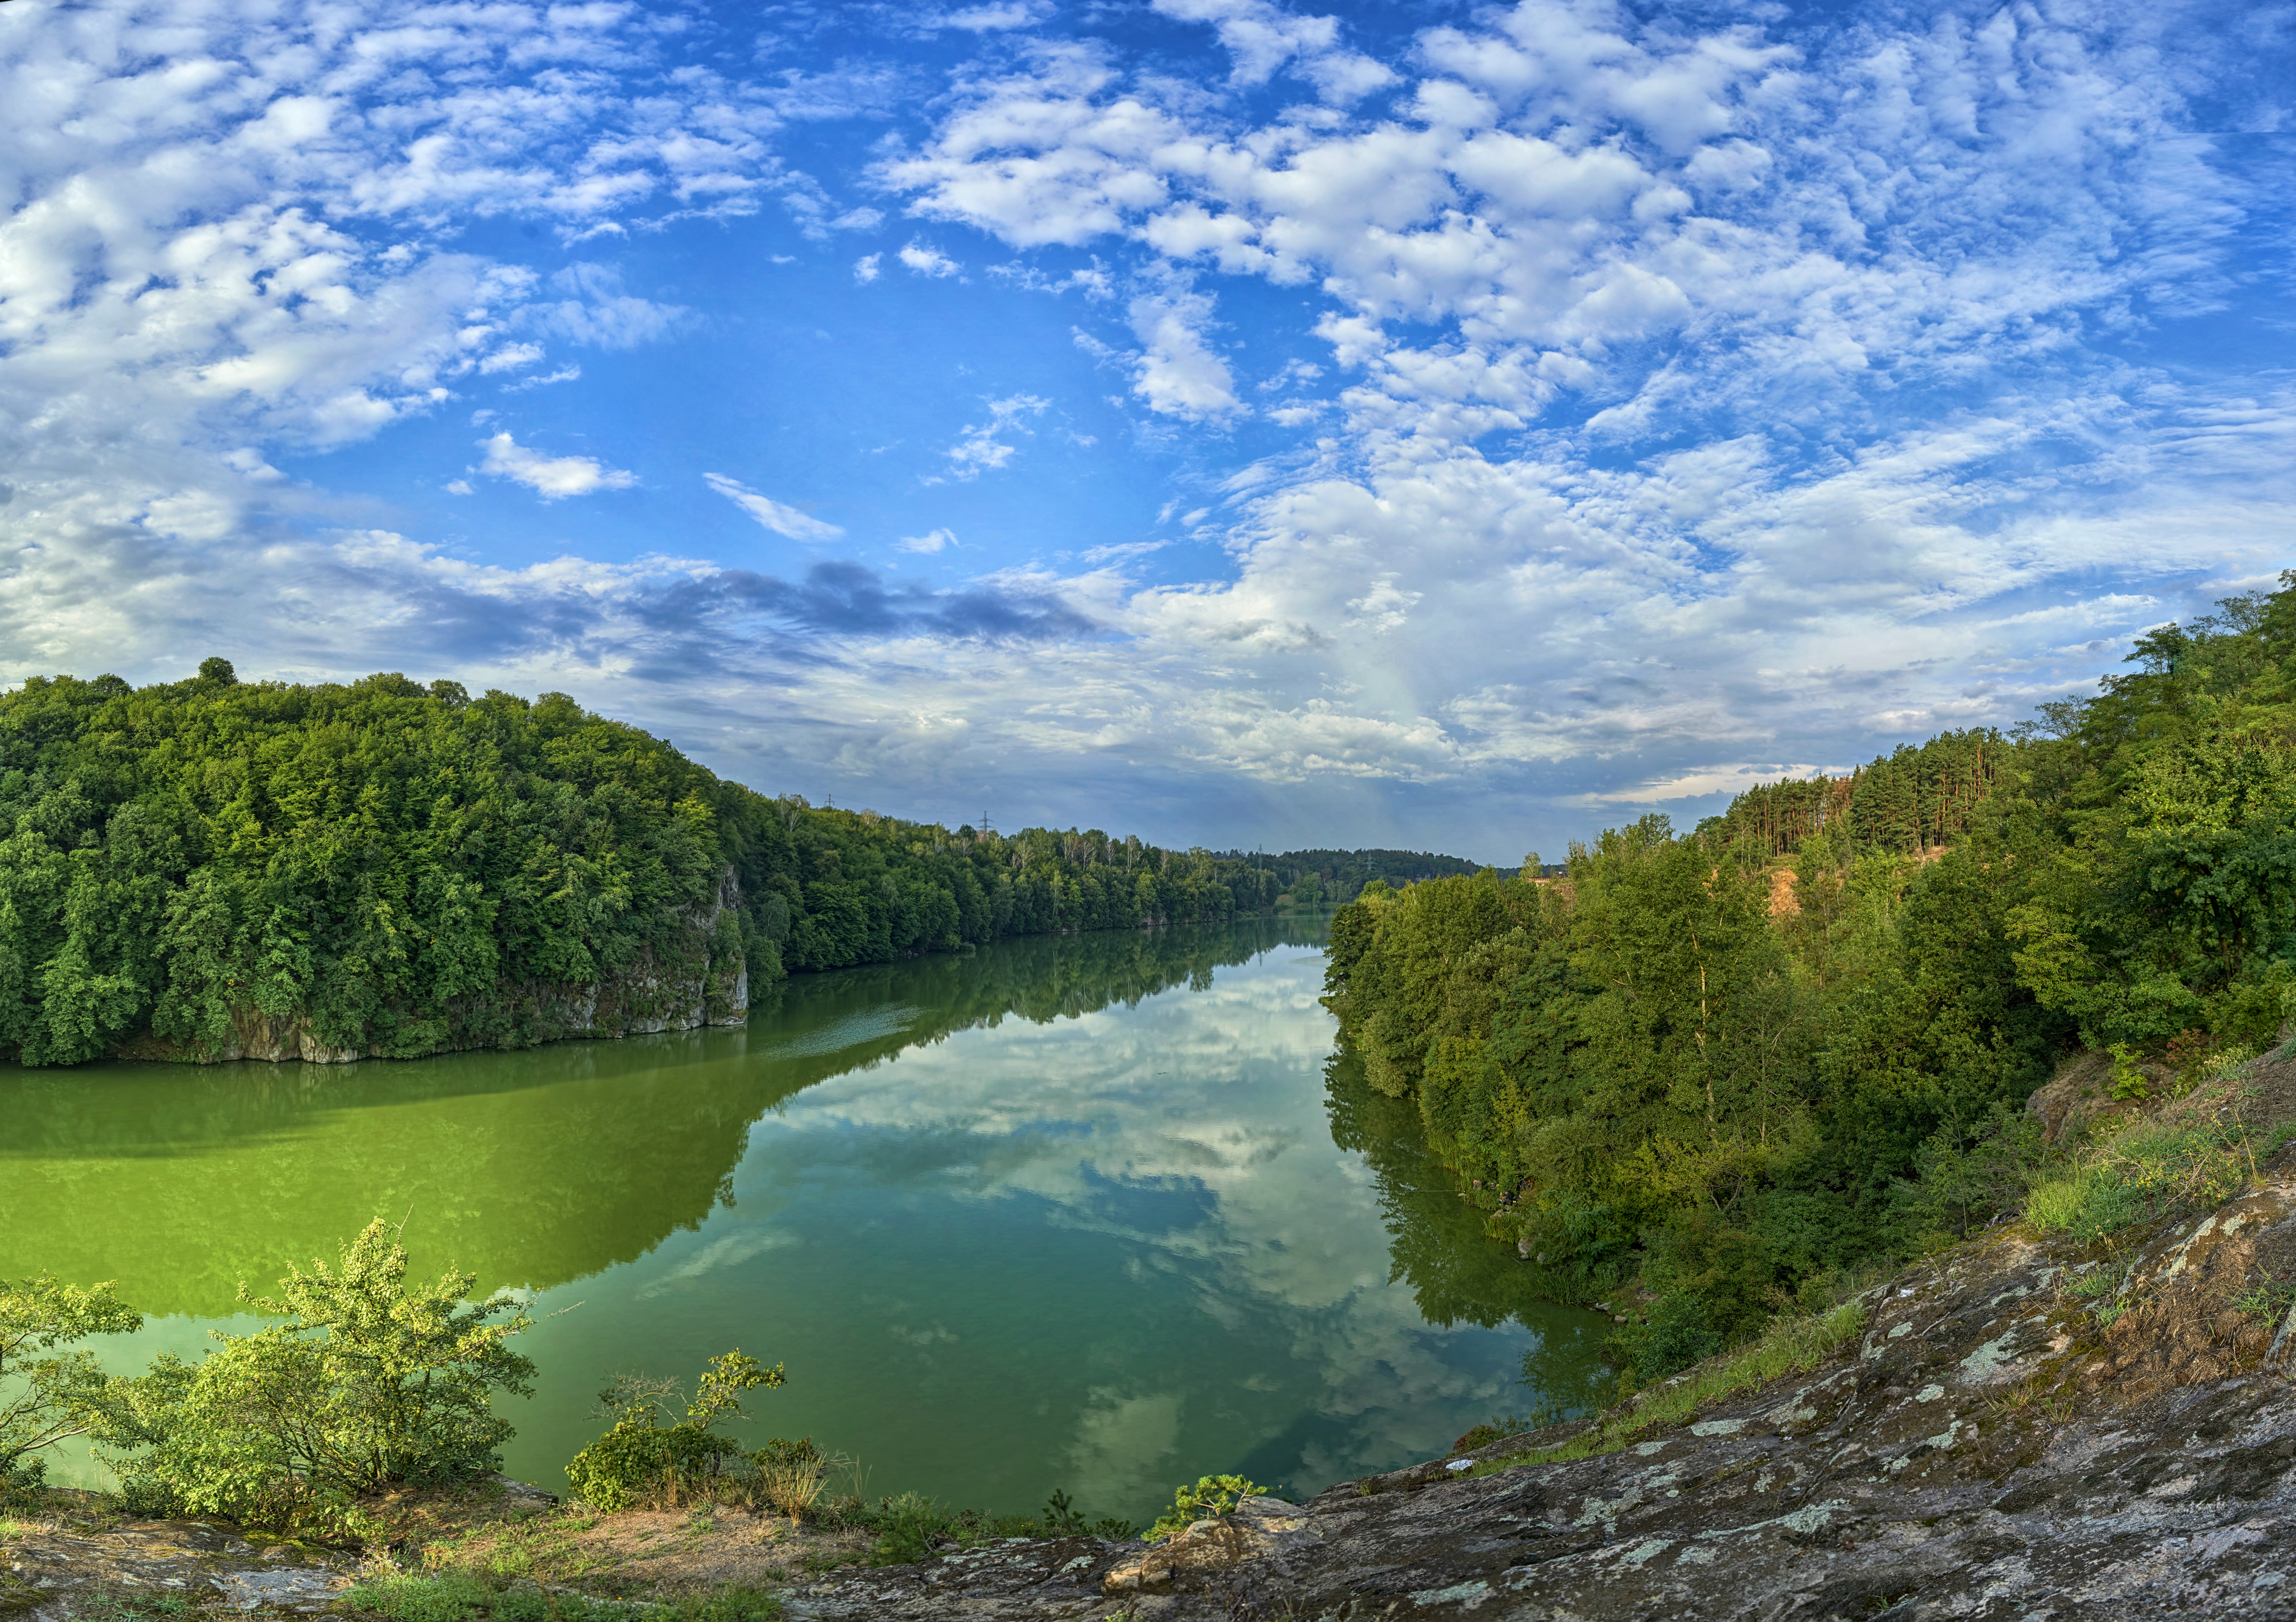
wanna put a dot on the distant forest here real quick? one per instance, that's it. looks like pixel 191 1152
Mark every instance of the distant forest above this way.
pixel 192 868
pixel 1315 877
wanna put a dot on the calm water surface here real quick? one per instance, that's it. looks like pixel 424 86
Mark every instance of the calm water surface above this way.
pixel 1100 1213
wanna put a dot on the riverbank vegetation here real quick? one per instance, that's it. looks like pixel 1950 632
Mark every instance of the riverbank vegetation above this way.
pixel 371 1400
pixel 209 866
pixel 1710 1075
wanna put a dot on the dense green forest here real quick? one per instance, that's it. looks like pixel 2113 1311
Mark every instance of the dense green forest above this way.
pixel 189 869
pixel 1716 1069
pixel 1311 878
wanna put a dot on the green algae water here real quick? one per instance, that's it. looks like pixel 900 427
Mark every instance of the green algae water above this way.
pixel 1100 1212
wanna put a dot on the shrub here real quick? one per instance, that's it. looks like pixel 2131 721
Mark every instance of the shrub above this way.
pixel 912 1526
pixel 1063 1519
pixel 1967 1173
pixel 1674 1333
pixel 57 1394
pixel 1549 1413
pixel 1212 1495
pixel 651 1458
pixel 2129 1082
pixel 908 1526
pixel 368 1385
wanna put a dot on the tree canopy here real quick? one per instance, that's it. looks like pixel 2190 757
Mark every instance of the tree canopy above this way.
pixel 391 868
pixel 1715 1064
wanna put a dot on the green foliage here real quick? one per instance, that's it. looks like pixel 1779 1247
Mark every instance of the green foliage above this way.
pixel 461 1597
pixel 1968 1173
pixel 2099 1291
pixel 1061 1518
pixel 1722 1067
pixel 47 1397
pixel 912 1526
pixel 791 1475
pixel 909 1527
pixel 1210 1496
pixel 651 1458
pixel 1673 1334
pixel 2269 1302
pixel 2147 1171
pixel 2128 1080
pixel 214 867
pixel 368 1384
pixel 1918 797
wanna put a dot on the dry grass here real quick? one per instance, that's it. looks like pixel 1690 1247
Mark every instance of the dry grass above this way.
pixel 793 1489
pixel 649 1553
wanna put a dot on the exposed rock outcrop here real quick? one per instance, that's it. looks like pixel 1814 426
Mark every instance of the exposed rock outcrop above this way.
pixel 53 1574
pixel 699 978
pixel 1995 1444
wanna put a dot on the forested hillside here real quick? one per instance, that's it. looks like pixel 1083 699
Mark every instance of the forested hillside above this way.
pixel 1724 1067
pixel 1314 877
pixel 209 867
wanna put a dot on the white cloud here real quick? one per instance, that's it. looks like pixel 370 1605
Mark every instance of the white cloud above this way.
pixel 932 540
pixel 601 313
pixel 1261 37
pixel 774 515
pixel 511 356
pixel 1178 373
pixel 983 448
pixel 927 262
pixel 864 268
pixel 993 18
pixel 564 375
pixel 1701 392
pixel 550 477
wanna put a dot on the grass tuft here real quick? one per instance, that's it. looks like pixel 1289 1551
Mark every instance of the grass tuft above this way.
pixel 1787 1346
pixel 2149 1170
pixel 457 1596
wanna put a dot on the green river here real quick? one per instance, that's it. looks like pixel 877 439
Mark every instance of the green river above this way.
pixel 1098 1212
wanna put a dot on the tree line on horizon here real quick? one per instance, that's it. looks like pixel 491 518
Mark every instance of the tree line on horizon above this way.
pixel 1711 1071
pixel 408 868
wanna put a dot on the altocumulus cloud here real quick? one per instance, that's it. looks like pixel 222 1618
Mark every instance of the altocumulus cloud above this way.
pixel 1651 399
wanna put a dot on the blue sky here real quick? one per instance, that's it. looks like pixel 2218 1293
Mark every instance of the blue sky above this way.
pixel 1455 426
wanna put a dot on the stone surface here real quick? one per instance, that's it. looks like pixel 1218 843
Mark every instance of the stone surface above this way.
pixel 53 1574
pixel 1990 1448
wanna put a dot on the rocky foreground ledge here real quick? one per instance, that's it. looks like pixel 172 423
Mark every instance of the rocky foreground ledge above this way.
pixel 1989 1448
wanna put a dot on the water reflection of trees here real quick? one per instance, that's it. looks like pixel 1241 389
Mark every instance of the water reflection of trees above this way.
pixel 531 1167
pixel 1437 1245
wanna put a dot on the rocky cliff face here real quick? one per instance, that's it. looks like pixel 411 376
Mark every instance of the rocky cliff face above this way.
pixel 1995 1444
pixel 702 978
